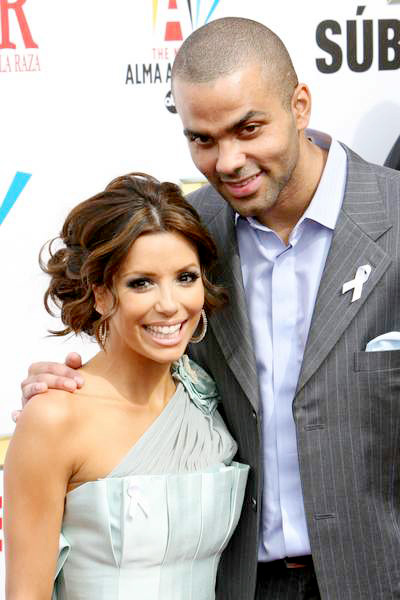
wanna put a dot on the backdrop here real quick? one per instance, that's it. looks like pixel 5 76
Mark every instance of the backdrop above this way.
pixel 85 96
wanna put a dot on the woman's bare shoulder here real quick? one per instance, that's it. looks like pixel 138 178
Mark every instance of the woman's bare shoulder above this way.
pixel 52 410
pixel 44 438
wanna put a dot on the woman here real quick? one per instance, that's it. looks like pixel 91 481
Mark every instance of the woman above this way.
pixel 136 468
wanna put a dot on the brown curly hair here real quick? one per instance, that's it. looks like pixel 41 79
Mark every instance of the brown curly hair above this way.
pixel 96 237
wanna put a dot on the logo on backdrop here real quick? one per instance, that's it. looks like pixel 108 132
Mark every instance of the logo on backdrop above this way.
pixel 357 41
pixel 191 14
pixel 172 22
pixel 14 191
pixel 18 48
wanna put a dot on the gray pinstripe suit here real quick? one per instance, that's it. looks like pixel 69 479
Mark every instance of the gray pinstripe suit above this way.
pixel 347 404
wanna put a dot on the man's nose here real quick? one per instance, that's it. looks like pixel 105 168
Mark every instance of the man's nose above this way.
pixel 230 157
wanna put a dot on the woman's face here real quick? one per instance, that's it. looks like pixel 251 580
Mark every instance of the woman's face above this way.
pixel 160 293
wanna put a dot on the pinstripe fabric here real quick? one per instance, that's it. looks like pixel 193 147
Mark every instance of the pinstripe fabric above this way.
pixel 228 350
pixel 347 407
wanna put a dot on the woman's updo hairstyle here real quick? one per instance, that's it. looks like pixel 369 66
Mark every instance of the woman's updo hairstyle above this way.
pixel 97 236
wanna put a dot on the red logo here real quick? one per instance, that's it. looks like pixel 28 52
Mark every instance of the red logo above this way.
pixel 18 49
pixel 175 19
pixel 173 31
pixel 8 8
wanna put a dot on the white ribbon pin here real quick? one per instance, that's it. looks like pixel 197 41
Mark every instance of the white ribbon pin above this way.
pixel 137 500
pixel 357 283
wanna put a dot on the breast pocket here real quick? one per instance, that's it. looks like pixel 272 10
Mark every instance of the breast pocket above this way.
pixel 376 398
pixel 377 381
pixel 386 360
pixel 374 407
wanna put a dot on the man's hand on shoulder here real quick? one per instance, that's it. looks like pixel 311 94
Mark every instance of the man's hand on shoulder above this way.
pixel 43 376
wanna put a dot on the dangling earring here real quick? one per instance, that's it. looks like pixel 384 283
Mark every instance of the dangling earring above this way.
pixel 202 334
pixel 103 333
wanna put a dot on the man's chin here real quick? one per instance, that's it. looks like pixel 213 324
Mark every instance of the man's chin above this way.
pixel 239 205
pixel 245 207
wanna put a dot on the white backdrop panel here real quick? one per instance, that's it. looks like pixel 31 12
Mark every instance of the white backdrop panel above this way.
pixel 77 123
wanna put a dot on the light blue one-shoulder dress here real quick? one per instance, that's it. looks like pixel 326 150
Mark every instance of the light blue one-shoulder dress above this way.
pixel 155 527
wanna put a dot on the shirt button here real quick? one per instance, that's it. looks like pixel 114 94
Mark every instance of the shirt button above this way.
pixel 254 415
pixel 254 504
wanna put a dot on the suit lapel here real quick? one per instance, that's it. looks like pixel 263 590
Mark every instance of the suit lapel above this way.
pixel 361 222
pixel 231 325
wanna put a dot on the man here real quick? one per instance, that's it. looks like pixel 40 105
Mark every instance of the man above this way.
pixel 309 253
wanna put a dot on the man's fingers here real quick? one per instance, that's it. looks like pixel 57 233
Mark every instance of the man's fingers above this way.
pixel 15 414
pixel 38 368
pixel 38 384
pixel 30 388
pixel 40 371
pixel 73 360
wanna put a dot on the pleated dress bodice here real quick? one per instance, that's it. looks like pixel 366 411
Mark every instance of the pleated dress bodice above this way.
pixel 155 527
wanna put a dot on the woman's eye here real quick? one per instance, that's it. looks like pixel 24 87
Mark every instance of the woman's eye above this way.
pixel 139 284
pixel 188 277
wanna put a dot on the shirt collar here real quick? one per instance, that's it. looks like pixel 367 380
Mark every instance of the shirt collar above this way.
pixel 327 201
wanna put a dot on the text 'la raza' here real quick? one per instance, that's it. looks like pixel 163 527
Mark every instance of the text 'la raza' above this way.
pixel 19 63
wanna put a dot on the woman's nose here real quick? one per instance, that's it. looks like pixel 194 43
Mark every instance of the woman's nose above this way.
pixel 167 303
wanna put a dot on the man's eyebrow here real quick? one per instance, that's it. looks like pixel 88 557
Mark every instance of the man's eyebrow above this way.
pixel 251 114
pixel 189 132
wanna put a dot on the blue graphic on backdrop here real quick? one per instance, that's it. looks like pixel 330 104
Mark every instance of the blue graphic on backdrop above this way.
pixel 213 7
pixel 18 183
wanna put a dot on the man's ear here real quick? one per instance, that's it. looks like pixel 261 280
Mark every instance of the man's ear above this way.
pixel 102 298
pixel 301 106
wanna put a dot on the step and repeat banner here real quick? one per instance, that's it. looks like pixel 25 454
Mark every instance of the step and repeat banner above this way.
pixel 85 96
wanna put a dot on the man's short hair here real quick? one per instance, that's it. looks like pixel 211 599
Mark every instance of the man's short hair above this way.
pixel 227 45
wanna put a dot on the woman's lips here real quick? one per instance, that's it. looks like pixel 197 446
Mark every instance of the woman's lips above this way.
pixel 165 335
pixel 245 187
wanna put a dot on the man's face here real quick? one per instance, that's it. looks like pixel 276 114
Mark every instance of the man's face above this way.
pixel 242 138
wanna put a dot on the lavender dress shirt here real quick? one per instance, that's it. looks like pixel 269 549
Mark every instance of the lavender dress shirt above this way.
pixel 281 284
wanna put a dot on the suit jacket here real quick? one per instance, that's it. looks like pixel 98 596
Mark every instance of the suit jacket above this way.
pixel 347 404
pixel 393 158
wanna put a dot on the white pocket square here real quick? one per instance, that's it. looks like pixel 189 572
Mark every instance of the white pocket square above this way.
pixel 386 341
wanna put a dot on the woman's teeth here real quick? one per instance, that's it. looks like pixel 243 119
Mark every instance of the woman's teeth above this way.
pixel 163 330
